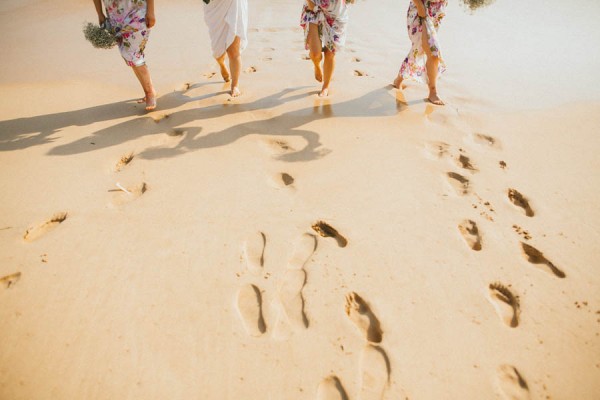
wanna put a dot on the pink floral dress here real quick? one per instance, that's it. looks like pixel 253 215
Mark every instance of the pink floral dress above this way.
pixel 331 17
pixel 414 64
pixel 127 19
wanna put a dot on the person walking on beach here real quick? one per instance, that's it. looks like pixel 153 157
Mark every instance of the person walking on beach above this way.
pixel 227 22
pixel 424 61
pixel 324 23
pixel 131 21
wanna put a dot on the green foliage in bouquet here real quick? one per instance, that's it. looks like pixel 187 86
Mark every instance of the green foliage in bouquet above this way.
pixel 476 4
pixel 99 36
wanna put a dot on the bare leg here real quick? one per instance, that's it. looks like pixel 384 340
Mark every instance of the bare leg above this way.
pixel 328 67
pixel 315 49
pixel 398 82
pixel 223 67
pixel 235 65
pixel 143 75
pixel 432 69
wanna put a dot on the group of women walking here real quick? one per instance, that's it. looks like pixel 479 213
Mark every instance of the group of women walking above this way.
pixel 324 23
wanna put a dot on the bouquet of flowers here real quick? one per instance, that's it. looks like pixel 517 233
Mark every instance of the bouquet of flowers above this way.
pixel 100 36
pixel 475 4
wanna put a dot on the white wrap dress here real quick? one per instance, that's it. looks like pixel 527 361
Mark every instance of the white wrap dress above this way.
pixel 226 19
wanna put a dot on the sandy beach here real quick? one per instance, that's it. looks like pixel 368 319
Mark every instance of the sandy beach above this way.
pixel 277 245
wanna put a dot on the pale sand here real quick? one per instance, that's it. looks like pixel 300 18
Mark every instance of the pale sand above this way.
pixel 163 286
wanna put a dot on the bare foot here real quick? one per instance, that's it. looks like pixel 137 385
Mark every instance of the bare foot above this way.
pixel 397 82
pixel 235 91
pixel 225 73
pixel 434 99
pixel 224 70
pixel 324 92
pixel 150 100
pixel 318 72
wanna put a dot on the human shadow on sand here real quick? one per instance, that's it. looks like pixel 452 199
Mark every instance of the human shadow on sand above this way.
pixel 21 133
pixel 260 119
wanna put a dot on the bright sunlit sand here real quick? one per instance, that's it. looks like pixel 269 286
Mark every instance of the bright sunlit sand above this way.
pixel 278 245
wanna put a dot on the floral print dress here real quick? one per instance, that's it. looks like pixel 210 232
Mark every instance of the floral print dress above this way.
pixel 414 64
pixel 331 17
pixel 127 19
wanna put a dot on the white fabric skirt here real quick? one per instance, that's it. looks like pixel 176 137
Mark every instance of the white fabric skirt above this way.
pixel 226 19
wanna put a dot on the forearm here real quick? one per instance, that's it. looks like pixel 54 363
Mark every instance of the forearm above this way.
pixel 420 7
pixel 314 3
pixel 150 6
pixel 418 3
pixel 98 5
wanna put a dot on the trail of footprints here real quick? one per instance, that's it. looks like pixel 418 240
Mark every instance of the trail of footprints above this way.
pixel 291 316
pixel 37 231
pixel 374 365
pixel 503 298
pixel 290 301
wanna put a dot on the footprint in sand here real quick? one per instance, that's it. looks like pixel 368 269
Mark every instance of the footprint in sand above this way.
pixel 326 230
pixel 249 306
pixel 291 299
pixel 278 146
pixel 360 73
pixel 469 231
pixel 536 257
pixel 331 388
pixel 209 75
pixel 506 303
pixel 125 160
pixel 177 132
pixel 34 233
pixel 363 318
pixel 9 281
pixel 282 180
pixel 520 201
pixel 254 252
pixel 159 118
pixel 436 150
pixel 250 70
pixel 303 250
pixel 521 232
pixel 355 59
pixel 125 194
pixel 511 383
pixel 465 163
pixel 374 373
pixel 485 140
pixel 459 183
